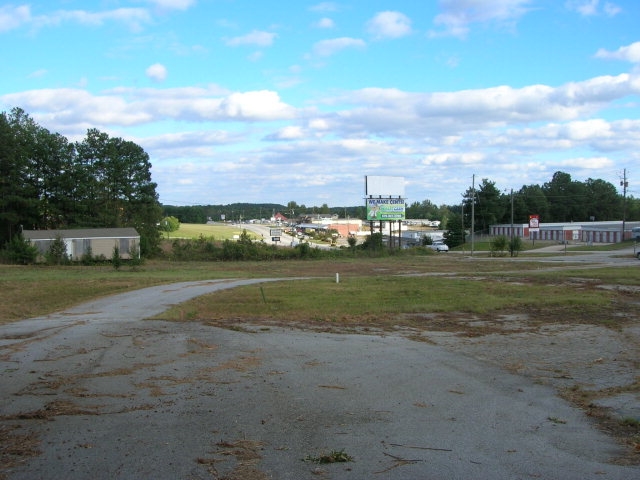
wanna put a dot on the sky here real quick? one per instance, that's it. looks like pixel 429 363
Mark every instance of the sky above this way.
pixel 292 100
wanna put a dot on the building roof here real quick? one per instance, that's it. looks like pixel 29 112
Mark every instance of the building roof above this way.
pixel 128 232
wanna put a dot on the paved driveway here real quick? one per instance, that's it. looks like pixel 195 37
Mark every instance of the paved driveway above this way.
pixel 97 392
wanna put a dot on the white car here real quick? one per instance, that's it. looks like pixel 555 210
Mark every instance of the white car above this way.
pixel 439 246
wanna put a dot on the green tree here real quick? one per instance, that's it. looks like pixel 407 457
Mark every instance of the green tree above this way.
pixel 118 189
pixel 21 251
pixel 11 179
pixel 489 207
pixel 373 242
pixel 567 198
pixel 602 200
pixel 455 234
pixel 116 261
pixel 57 252
pixel 530 200
pixel 19 204
pixel 169 224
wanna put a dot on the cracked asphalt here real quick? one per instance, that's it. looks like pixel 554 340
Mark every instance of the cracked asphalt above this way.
pixel 99 392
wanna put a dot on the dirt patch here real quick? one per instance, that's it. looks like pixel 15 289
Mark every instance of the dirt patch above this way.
pixel 16 447
pixel 592 359
pixel 245 454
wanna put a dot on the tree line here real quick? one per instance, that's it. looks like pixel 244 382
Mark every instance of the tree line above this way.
pixel 561 199
pixel 239 212
pixel 48 182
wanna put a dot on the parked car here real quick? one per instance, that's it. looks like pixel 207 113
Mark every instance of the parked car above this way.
pixel 439 246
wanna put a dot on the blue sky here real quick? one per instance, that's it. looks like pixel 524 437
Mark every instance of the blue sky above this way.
pixel 289 100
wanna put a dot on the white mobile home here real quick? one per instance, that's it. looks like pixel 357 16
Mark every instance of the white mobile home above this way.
pixel 98 241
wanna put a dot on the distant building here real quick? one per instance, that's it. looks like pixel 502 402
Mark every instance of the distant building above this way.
pixel 278 217
pixel 99 241
pixel 584 232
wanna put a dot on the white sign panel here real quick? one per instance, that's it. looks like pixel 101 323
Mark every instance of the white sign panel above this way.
pixel 382 186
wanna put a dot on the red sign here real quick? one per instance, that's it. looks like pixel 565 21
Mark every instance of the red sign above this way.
pixel 534 223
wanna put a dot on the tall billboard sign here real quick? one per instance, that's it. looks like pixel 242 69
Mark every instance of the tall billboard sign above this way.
pixel 384 197
pixel 385 209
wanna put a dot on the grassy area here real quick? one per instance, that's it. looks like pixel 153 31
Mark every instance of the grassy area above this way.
pixel 370 288
pixel 385 302
pixel 218 231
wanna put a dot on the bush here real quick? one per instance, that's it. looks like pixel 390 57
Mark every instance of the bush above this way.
pixel 515 246
pixel 20 250
pixel 57 252
pixel 87 257
pixel 136 259
pixel 373 242
pixel 498 246
pixel 116 261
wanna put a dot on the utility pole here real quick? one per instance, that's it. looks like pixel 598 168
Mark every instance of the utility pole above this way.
pixel 624 184
pixel 512 215
pixel 462 231
pixel 473 210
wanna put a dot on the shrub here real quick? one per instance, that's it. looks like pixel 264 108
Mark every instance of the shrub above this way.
pixel 498 246
pixel 87 257
pixel 373 242
pixel 515 246
pixel 57 252
pixel 136 259
pixel 20 250
pixel 116 261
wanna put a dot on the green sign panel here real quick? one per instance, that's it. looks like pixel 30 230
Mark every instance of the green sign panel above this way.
pixel 385 209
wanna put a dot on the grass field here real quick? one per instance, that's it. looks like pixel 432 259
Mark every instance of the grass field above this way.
pixel 370 288
pixel 217 231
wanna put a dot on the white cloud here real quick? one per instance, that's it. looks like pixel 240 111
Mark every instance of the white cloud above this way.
pixel 454 159
pixel 324 7
pixel 325 23
pixel 326 48
pixel 589 8
pixel 507 134
pixel 173 4
pixel 287 133
pixel 629 53
pixel 256 38
pixel 38 73
pixel 611 9
pixel 589 163
pixel 319 124
pixel 389 25
pixel 458 15
pixel 157 72
pixel 125 107
pixel 583 7
pixel 14 17
pixel 134 18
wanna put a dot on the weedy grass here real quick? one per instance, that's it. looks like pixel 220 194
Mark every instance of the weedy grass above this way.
pixel 383 300
pixel 369 289
pixel 334 456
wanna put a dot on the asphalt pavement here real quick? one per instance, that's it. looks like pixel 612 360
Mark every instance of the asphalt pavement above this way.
pixel 102 393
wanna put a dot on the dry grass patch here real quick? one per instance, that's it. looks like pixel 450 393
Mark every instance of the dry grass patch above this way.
pixel 470 306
